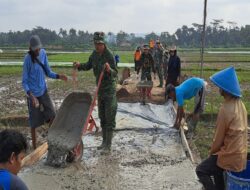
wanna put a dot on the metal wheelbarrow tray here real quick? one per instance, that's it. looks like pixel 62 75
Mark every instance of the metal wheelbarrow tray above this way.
pixel 66 131
pixel 144 88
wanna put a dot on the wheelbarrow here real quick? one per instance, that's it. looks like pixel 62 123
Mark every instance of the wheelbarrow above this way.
pixel 72 121
pixel 144 88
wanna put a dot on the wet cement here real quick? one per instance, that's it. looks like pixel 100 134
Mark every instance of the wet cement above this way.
pixel 65 132
pixel 146 154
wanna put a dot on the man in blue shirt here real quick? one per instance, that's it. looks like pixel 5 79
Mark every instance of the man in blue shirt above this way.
pixel 35 69
pixel 12 151
pixel 193 87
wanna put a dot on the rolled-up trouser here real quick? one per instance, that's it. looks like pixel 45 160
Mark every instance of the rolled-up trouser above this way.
pixel 107 108
pixel 44 113
pixel 199 100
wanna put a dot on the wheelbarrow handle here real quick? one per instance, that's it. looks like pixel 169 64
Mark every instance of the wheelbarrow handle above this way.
pixel 94 100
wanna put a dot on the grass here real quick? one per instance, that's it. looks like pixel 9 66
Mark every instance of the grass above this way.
pixel 187 56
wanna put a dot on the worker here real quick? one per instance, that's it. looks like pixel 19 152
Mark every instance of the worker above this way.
pixel 165 63
pixel 146 64
pixel 100 59
pixel 13 148
pixel 158 60
pixel 193 87
pixel 117 59
pixel 35 69
pixel 173 68
pixel 137 57
pixel 229 147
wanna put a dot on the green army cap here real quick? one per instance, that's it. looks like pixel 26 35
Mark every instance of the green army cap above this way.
pixel 99 38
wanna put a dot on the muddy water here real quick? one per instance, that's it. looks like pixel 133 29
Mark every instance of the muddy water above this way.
pixel 146 154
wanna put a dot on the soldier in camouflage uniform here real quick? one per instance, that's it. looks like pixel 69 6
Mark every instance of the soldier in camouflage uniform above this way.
pixel 146 64
pixel 158 59
pixel 107 103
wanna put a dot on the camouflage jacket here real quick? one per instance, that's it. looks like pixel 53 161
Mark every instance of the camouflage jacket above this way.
pixel 158 56
pixel 97 62
pixel 146 63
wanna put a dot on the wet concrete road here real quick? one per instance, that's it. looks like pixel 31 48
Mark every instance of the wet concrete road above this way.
pixel 146 154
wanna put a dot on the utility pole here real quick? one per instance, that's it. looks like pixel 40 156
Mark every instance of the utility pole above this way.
pixel 203 37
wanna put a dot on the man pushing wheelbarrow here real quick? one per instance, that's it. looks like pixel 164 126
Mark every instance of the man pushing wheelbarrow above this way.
pixel 146 64
pixel 102 59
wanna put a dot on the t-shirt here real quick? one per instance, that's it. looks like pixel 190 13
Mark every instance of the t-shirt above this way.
pixel 8 181
pixel 188 89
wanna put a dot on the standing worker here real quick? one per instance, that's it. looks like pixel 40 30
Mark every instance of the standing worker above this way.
pixel 158 60
pixel 137 57
pixel 13 148
pixel 174 68
pixel 35 68
pixel 146 64
pixel 229 148
pixel 193 87
pixel 100 59
pixel 165 64
pixel 117 59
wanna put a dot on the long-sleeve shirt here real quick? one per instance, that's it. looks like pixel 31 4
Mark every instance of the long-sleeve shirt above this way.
pixel 97 62
pixel 33 79
pixel 174 67
pixel 230 140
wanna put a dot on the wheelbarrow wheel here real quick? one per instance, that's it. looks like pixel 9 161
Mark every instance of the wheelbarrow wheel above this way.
pixel 76 154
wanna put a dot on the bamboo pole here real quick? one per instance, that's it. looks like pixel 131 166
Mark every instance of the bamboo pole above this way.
pixel 203 37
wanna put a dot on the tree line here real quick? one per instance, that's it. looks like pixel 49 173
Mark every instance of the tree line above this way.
pixel 217 35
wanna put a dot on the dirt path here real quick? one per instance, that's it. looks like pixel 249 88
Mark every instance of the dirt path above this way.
pixel 146 154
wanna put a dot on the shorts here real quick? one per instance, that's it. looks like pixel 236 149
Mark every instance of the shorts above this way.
pixel 44 113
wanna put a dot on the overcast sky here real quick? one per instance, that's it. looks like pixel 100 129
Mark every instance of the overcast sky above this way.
pixel 137 16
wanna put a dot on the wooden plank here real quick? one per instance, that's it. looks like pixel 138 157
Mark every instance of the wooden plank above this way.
pixel 36 155
pixel 185 144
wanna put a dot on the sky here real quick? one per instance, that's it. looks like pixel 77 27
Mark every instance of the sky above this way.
pixel 132 16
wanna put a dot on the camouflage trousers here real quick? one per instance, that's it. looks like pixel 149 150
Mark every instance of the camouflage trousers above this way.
pixel 107 108
pixel 146 74
pixel 159 71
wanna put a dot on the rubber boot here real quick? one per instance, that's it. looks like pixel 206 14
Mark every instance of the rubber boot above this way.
pixel 104 139
pixel 109 137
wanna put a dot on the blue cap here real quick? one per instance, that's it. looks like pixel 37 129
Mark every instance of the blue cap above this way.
pixel 227 80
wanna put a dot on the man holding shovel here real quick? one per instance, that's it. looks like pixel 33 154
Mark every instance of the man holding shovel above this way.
pixel 35 70
pixel 102 60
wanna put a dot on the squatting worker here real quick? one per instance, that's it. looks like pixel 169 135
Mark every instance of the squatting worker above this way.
pixel 13 147
pixel 146 64
pixel 193 87
pixel 35 69
pixel 229 147
pixel 102 58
